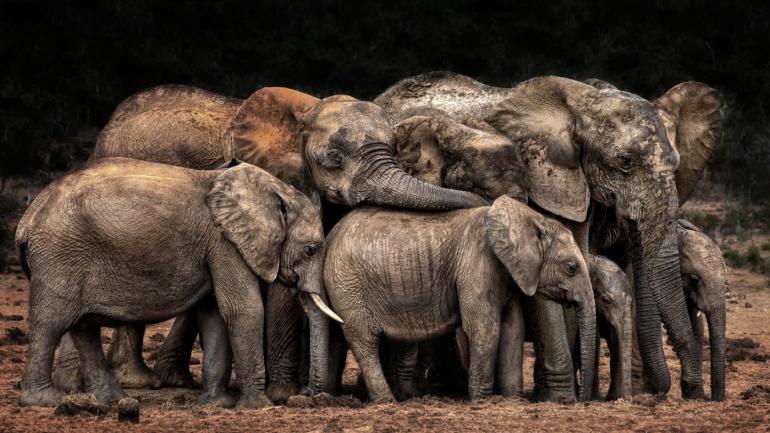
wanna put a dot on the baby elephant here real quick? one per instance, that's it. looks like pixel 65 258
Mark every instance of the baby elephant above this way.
pixel 410 276
pixel 126 241
pixel 704 276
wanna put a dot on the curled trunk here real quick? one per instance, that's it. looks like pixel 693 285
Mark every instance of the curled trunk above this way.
pixel 383 183
pixel 586 314
pixel 716 323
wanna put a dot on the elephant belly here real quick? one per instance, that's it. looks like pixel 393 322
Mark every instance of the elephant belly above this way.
pixel 416 329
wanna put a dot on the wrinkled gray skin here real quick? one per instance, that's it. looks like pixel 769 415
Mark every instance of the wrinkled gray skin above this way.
pixel 704 276
pixel 410 276
pixel 132 241
pixel 614 299
pixel 579 144
pixel 339 147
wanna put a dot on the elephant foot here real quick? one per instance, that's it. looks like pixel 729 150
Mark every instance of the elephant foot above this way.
pixel 218 397
pixel 256 402
pixel 174 375
pixel 280 393
pixel 693 391
pixel 136 375
pixel 385 399
pixel 68 378
pixel 48 397
pixel 107 393
pixel 406 390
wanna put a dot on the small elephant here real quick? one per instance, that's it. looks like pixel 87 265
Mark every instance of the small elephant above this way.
pixel 410 276
pixel 131 241
pixel 614 298
pixel 704 277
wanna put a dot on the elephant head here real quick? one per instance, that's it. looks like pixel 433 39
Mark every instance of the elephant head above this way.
pixel 614 304
pixel 344 145
pixel 278 232
pixel 442 151
pixel 542 256
pixel 705 283
pixel 638 157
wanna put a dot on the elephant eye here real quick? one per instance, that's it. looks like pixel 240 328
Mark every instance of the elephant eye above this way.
pixel 310 250
pixel 571 268
pixel 606 299
pixel 695 279
pixel 626 162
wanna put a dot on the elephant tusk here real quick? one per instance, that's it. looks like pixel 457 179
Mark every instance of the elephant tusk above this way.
pixel 325 308
pixel 699 313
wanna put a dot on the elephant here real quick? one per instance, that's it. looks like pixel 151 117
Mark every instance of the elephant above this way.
pixel 409 276
pixel 127 241
pixel 338 147
pixel 704 277
pixel 582 147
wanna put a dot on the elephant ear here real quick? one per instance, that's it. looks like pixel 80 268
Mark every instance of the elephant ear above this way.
pixel 690 112
pixel 516 234
pixel 268 122
pixel 537 115
pixel 427 147
pixel 250 207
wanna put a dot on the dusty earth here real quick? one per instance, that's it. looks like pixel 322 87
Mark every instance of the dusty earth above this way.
pixel 747 407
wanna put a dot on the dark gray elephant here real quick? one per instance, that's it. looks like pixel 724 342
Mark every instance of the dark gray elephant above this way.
pixel 339 147
pixel 132 241
pixel 704 275
pixel 410 276
pixel 578 145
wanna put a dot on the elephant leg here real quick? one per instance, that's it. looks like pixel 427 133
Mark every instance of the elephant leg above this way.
pixel 338 353
pixel 173 363
pixel 481 321
pixel 511 351
pixel 283 329
pixel 238 296
pixel 365 347
pixel 99 379
pixel 404 364
pixel 558 375
pixel 125 358
pixel 217 355
pixel 67 375
pixel 45 331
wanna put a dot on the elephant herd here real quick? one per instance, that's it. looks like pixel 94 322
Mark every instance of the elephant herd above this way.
pixel 440 225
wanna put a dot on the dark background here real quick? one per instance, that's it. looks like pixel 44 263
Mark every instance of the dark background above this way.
pixel 65 66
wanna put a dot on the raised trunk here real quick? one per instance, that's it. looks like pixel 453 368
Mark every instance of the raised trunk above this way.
pixel 659 296
pixel 586 314
pixel 621 351
pixel 383 183
pixel 716 323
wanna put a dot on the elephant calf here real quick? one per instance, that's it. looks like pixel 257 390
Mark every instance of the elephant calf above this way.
pixel 126 241
pixel 704 278
pixel 409 276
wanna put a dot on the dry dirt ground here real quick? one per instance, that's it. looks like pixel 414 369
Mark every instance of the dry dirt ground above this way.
pixel 747 407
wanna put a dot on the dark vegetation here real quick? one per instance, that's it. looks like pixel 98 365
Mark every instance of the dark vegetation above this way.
pixel 67 65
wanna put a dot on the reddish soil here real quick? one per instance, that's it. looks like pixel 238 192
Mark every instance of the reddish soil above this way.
pixel 747 407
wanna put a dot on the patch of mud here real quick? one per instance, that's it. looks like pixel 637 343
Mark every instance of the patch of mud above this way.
pixel 323 400
pixel 75 404
pixel 14 336
pixel 757 393
pixel 744 349
pixel 11 317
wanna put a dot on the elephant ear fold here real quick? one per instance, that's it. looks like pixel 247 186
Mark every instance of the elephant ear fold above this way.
pixel 690 112
pixel 516 234
pixel 538 117
pixel 248 205
pixel 270 120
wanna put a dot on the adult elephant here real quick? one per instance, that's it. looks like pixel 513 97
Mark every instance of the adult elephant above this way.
pixel 339 147
pixel 579 144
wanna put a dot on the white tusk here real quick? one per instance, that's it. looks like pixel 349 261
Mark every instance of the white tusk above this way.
pixel 698 314
pixel 325 308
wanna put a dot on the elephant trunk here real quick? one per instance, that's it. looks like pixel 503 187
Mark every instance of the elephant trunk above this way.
pixel 622 356
pixel 318 377
pixel 716 323
pixel 659 295
pixel 586 314
pixel 383 183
